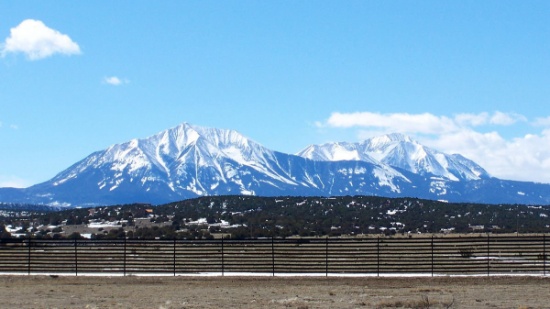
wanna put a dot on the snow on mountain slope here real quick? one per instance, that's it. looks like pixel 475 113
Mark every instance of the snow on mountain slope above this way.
pixel 176 155
pixel 189 161
pixel 337 152
pixel 401 152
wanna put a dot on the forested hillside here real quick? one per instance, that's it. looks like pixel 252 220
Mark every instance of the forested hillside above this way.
pixel 254 217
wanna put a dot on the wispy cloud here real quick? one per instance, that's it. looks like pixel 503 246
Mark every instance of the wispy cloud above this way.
pixel 11 126
pixel 542 122
pixel 475 136
pixel 401 122
pixel 425 123
pixel 13 182
pixel 506 119
pixel 524 158
pixel 497 118
pixel 115 81
pixel 37 41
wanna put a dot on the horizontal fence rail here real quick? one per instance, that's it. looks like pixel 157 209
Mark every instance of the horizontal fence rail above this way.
pixel 489 255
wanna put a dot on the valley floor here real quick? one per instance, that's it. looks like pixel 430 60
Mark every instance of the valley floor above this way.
pixel 277 292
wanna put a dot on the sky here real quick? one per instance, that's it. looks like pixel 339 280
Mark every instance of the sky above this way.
pixel 468 77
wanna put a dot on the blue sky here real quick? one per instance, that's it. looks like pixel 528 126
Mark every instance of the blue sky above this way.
pixel 471 77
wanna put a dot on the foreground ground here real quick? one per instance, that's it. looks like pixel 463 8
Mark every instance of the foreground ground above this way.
pixel 269 292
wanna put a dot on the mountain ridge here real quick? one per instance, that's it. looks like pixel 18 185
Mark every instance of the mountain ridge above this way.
pixel 189 161
pixel 398 150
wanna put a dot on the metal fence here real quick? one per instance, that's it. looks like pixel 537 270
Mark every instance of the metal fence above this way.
pixel 484 255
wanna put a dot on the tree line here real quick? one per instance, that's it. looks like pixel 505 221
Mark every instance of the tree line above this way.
pixel 242 217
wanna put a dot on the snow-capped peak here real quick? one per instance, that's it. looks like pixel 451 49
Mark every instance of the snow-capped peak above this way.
pixel 189 161
pixel 399 151
pixel 391 138
pixel 336 152
pixel 173 155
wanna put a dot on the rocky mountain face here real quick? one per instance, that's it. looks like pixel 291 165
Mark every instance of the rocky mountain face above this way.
pixel 400 151
pixel 190 161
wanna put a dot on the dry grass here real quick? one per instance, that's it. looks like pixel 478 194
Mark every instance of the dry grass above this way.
pixel 424 302
pixel 278 292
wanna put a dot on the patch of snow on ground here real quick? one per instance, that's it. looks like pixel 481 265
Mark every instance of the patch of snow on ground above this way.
pixel 269 274
pixel 384 180
pixel 342 154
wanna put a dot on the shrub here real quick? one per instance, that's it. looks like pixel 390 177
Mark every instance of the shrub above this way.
pixel 466 252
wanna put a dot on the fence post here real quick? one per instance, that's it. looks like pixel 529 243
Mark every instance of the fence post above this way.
pixel 488 256
pixel 378 256
pixel 124 259
pixel 326 256
pixel 174 255
pixel 223 264
pixel 75 258
pixel 544 257
pixel 29 258
pixel 272 256
pixel 432 255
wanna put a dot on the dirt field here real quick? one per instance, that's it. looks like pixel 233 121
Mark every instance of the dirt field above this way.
pixel 269 292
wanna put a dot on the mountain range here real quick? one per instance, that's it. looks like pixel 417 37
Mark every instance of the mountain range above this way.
pixel 188 161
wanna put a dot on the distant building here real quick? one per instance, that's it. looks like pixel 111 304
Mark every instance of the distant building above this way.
pixel 476 227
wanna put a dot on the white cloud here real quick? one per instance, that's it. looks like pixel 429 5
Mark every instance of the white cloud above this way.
pixel 34 39
pixel 425 123
pixel 525 158
pixel 506 119
pixel 472 119
pixel 115 81
pixel 11 126
pixel 497 118
pixel 13 182
pixel 401 122
pixel 542 122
